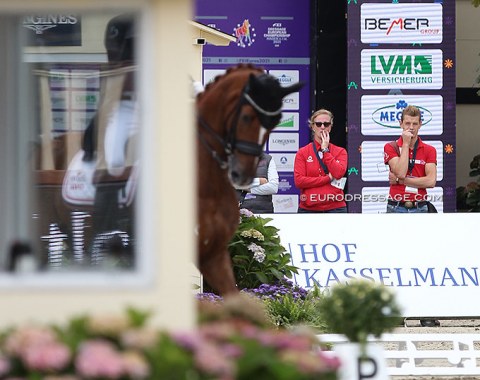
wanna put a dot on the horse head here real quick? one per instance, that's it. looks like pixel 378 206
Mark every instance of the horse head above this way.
pixel 259 112
pixel 249 103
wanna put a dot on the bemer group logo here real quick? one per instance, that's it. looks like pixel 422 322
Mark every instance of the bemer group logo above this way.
pixel 401 23
pixel 402 69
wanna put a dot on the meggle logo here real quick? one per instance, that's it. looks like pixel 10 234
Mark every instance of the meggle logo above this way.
pixel 401 64
pixel 285 79
pixel 389 116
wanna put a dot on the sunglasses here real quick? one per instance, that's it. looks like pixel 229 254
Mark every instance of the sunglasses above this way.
pixel 324 123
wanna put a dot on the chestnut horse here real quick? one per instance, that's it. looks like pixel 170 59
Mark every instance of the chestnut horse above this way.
pixel 235 115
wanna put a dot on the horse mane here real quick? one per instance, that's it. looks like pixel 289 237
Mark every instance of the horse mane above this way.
pixel 218 78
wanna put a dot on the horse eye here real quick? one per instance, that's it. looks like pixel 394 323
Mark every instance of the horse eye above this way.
pixel 248 119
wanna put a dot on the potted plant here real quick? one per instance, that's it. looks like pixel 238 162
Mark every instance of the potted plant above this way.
pixel 359 309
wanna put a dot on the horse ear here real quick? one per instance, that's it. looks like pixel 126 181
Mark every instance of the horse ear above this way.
pixel 293 88
pixel 252 80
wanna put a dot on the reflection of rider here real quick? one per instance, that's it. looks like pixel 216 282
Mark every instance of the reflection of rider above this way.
pixel 121 125
pixel 119 43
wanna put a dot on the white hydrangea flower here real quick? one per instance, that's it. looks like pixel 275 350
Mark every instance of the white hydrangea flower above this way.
pixel 255 248
pixel 253 233
pixel 257 235
pixel 259 256
pixel 247 233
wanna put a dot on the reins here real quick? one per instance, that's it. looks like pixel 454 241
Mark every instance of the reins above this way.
pixel 230 143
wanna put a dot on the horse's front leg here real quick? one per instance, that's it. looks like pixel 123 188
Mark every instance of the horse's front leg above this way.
pixel 218 272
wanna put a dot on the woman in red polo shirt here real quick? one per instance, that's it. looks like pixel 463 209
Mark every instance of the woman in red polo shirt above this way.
pixel 319 169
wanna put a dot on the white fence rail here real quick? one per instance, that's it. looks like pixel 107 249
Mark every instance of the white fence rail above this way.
pixel 425 354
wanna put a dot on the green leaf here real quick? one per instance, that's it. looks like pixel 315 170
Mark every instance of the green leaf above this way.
pixel 262 277
pixel 277 274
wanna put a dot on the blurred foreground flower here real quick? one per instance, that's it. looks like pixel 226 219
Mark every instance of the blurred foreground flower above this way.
pixel 360 308
pixel 234 340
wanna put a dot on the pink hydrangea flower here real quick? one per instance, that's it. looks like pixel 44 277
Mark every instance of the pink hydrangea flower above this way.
pixel 139 338
pixel 4 366
pixel 48 357
pixel 135 365
pixel 22 338
pixel 213 361
pixel 99 358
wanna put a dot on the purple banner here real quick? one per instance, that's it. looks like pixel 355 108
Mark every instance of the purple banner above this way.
pixel 399 54
pixel 273 34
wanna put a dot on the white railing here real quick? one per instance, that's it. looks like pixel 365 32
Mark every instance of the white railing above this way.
pixel 425 354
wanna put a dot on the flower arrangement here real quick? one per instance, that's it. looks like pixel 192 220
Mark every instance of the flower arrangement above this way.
pixel 227 345
pixel 360 308
pixel 286 305
pixel 257 254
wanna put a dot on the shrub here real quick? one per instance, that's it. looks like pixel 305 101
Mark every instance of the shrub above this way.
pixel 257 254
pixel 360 308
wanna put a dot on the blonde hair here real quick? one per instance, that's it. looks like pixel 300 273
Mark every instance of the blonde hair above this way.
pixel 321 111
pixel 411 111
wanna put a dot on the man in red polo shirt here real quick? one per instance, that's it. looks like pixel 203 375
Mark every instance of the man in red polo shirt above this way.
pixel 413 169
pixel 413 166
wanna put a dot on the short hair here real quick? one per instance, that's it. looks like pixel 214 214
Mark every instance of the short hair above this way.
pixel 321 111
pixel 411 111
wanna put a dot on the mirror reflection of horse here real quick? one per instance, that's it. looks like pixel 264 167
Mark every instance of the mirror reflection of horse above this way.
pixel 235 115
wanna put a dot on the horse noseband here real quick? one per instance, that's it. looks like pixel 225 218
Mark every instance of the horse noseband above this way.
pixel 265 117
pixel 247 147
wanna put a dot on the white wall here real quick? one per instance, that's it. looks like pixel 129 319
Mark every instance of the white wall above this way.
pixel 468 74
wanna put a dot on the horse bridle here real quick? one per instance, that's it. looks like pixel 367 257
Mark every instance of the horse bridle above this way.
pixel 230 143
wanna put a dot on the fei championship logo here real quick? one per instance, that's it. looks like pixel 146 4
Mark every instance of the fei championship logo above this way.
pixel 381 113
pixel 402 69
pixel 401 23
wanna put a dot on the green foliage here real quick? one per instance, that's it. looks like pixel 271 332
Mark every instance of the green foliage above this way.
pixel 170 361
pixel 288 311
pixel 476 3
pixel 359 309
pixel 257 254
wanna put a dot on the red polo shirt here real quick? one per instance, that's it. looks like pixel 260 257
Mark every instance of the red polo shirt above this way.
pixel 316 191
pixel 425 154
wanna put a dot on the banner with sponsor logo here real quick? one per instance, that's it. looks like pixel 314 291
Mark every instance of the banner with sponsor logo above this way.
pixel 273 34
pixel 399 55
pixel 428 273
pixel 53 29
